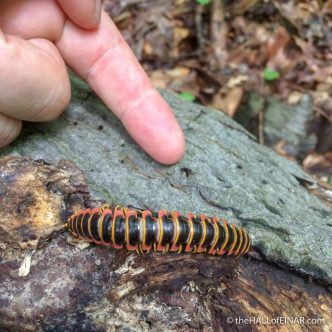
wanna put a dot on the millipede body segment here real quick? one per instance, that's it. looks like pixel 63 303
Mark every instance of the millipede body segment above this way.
pixel 143 230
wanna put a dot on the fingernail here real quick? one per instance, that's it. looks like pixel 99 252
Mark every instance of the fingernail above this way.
pixel 98 10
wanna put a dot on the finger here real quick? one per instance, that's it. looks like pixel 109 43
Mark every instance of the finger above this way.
pixel 32 19
pixel 33 79
pixel 9 129
pixel 85 14
pixel 105 61
pixel 48 16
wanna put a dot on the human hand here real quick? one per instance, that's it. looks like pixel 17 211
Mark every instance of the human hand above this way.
pixel 39 38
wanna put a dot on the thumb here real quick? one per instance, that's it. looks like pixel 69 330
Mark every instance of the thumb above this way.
pixel 85 14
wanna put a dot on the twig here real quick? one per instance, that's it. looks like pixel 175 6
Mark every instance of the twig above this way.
pixel 218 30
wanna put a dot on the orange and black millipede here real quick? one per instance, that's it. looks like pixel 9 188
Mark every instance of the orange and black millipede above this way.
pixel 143 230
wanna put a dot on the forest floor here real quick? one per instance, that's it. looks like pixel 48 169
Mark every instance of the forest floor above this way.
pixel 267 64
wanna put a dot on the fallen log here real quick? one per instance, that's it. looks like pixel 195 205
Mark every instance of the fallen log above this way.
pixel 49 280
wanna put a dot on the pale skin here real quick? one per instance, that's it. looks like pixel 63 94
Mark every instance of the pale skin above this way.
pixel 38 38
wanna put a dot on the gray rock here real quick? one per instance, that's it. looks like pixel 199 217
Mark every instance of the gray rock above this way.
pixel 224 172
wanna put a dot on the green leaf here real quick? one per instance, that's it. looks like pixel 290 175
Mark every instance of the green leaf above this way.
pixel 187 96
pixel 329 180
pixel 270 74
pixel 203 2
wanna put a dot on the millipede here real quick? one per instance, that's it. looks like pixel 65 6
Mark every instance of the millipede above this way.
pixel 144 230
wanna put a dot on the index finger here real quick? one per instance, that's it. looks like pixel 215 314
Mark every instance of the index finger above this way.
pixel 106 62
